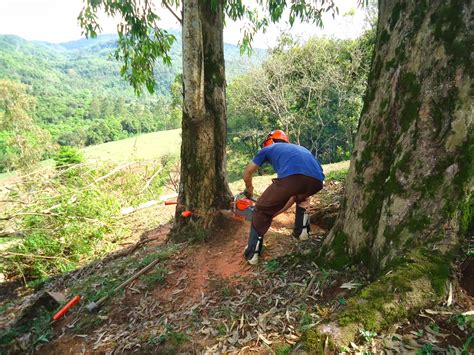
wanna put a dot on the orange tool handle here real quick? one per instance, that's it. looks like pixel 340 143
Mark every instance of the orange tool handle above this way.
pixel 186 214
pixel 171 202
pixel 66 307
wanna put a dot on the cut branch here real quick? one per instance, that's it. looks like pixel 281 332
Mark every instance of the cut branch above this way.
pixel 114 171
pixel 28 214
pixel 151 179
pixel 9 254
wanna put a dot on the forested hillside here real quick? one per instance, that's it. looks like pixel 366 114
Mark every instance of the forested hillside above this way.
pixel 81 99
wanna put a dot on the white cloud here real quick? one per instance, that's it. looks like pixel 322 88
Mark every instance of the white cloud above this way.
pixel 56 21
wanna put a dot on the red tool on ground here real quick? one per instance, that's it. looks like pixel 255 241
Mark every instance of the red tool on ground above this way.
pixel 171 203
pixel 66 307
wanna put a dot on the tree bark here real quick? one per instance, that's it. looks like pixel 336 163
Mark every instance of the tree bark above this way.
pixel 409 199
pixel 411 172
pixel 203 183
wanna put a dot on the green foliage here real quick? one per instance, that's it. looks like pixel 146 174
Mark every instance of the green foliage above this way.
pixel 427 348
pixel 37 326
pixel 80 96
pixel 22 142
pixel 157 276
pixel 317 343
pixel 367 335
pixel 313 91
pixel 68 156
pixel 283 349
pixel 169 335
pixel 272 265
pixel 463 322
pixel 75 219
pixel 338 175
pixel 142 41
pixel 98 285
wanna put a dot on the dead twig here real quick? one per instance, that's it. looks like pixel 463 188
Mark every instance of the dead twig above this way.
pixel 9 254
pixel 114 171
pixel 16 234
pixel 310 285
pixel 13 201
pixel 150 180
pixel 7 218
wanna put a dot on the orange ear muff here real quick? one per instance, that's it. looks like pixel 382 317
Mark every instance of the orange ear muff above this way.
pixel 267 142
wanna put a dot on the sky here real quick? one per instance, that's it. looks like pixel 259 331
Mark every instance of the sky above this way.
pixel 56 21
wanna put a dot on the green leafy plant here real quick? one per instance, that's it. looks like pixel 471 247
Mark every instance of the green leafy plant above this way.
pixel 283 349
pixel 169 335
pixel 157 276
pixel 467 344
pixel 68 156
pixel 272 265
pixel 426 349
pixel 339 175
pixel 73 218
pixel 434 327
pixel 221 329
pixel 367 335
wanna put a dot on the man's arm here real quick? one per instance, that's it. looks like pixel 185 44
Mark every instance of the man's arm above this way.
pixel 250 169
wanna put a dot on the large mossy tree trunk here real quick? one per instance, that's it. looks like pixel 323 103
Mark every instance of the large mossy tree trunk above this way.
pixel 203 185
pixel 409 189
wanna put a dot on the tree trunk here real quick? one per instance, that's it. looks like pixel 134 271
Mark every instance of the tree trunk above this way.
pixel 410 178
pixel 203 184
pixel 408 200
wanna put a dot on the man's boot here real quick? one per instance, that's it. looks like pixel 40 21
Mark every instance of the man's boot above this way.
pixel 254 247
pixel 301 230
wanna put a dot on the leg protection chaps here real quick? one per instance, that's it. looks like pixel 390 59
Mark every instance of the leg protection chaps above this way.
pixel 254 247
pixel 301 230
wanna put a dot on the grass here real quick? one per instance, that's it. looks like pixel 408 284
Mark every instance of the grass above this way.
pixel 338 175
pixel 143 147
pixel 96 286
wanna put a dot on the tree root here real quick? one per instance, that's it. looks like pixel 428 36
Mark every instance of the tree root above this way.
pixel 414 283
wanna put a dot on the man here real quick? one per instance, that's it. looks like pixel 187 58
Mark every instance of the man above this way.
pixel 299 175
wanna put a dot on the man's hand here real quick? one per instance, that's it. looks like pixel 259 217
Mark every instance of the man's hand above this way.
pixel 250 169
pixel 248 192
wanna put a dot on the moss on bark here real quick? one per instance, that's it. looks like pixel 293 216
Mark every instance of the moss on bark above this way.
pixel 401 292
pixel 409 197
pixel 408 284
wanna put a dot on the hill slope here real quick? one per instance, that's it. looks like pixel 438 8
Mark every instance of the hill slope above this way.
pixel 77 84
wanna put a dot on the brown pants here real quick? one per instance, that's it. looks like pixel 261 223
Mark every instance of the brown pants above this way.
pixel 277 195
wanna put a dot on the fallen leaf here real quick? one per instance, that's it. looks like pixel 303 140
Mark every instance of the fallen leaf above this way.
pixel 265 340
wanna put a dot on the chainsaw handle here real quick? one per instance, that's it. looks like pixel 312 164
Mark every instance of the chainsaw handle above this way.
pixel 244 194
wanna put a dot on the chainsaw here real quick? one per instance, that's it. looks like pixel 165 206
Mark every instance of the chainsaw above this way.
pixel 243 206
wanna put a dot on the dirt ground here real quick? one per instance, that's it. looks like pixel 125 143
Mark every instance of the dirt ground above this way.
pixel 210 301
pixel 196 271
pixel 210 291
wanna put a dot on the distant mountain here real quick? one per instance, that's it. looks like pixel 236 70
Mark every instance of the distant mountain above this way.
pixel 103 40
pixel 69 78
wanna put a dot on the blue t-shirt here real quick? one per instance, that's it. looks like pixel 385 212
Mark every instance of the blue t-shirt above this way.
pixel 290 159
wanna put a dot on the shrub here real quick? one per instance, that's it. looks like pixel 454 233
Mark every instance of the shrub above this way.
pixel 68 156
pixel 75 217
